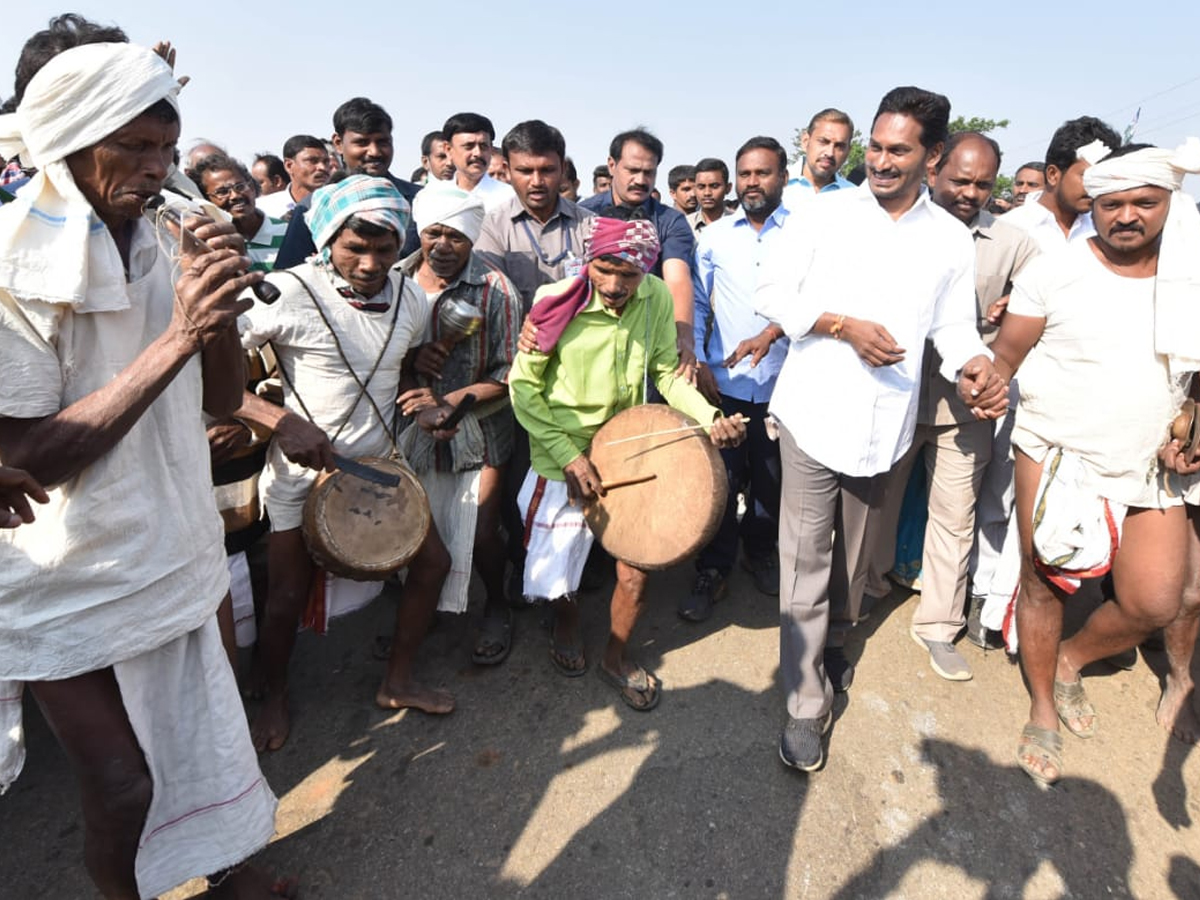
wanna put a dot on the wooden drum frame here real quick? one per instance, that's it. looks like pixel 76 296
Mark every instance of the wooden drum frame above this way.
pixel 672 492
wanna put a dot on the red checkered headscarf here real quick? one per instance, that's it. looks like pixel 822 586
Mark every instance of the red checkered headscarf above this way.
pixel 635 242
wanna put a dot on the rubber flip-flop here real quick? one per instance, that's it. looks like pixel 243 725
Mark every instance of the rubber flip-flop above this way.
pixel 641 682
pixel 494 631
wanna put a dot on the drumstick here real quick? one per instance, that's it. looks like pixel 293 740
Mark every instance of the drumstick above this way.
pixel 638 437
pixel 625 482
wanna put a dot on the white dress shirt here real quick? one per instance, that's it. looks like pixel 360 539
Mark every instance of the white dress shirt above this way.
pixel 912 275
pixel 1041 225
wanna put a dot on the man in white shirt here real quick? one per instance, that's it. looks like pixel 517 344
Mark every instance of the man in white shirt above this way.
pixel 1062 212
pixel 470 137
pixel 865 277
pixel 307 163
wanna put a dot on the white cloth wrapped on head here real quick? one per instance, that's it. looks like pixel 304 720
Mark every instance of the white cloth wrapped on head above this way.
pixel 53 246
pixel 444 203
pixel 1177 282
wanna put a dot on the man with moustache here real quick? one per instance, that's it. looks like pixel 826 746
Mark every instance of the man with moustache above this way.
pixel 633 160
pixel 228 185
pixel 362 136
pixel 825 144
pixel 958 448
pixel 470 136
pixel 1029 178
pixel 600 333
pixel 535 238
pixel 1104 324
pixel 729 254
pixel 857 284
pixel 307 165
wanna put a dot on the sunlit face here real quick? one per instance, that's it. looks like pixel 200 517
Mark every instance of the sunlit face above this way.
pixel 309 169
pixel 471 152
pixel 370 154
pixel 446 249
pixel 1026 181
pixel 711 189
pixel 119 173
pixel 825 148
pixel 684 196
pixel 1067 186
pixel 1129 221
pixel 364 261
pixel 601 183
pixel 615 280
pixel 896 160
pixel 230 191
pixel 537 179
pixel 633 174
pixel 760 181
pixel 965 184
pixel 438 162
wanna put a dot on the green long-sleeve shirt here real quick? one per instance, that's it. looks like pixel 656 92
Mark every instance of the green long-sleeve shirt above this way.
pixel 595 371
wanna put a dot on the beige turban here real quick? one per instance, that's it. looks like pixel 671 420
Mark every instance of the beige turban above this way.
pixel 52 245
pixel 444 203
pixel 1177 283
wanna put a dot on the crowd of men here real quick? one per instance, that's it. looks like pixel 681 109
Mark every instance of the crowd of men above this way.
pixel 1035 360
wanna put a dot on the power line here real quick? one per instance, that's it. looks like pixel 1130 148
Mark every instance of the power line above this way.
pixel 1137 103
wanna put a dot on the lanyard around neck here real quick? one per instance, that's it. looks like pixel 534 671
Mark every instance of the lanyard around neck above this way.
pixel 533 241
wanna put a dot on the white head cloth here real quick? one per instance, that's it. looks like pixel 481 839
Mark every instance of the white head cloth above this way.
pixel 444 203
pixel 53 247
pixel 1177 283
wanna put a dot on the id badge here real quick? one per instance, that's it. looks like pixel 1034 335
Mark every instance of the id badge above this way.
pixel 572 267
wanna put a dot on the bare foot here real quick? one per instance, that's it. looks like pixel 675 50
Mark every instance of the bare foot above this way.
pixel 415 696
pixel 251 883
pixel 270 728
pixel 1177 711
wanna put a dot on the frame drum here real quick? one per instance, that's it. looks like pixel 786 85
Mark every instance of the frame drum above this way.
pixel 655 524
pixel 365 531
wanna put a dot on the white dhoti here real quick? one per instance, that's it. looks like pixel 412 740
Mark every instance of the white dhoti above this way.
pixel 454 502
pixel 557 538
pixel 211 807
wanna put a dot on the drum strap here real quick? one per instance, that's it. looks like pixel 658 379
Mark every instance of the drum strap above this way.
pixel 390 430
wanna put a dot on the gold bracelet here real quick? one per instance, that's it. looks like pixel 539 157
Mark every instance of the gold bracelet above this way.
pixel 836 330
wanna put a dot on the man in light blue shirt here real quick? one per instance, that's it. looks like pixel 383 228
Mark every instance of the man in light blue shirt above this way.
pixel 728 257
pixel 825 144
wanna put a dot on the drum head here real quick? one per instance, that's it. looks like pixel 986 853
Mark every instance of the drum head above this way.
pixel 656 524
pixel 366 531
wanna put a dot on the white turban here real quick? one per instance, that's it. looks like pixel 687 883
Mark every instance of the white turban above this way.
pixel 53 247
pixel 1177 282
pixel 444 203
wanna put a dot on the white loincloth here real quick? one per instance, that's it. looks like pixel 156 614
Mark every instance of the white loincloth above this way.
pixel 211 807
pixel 245 628
pixel 557 539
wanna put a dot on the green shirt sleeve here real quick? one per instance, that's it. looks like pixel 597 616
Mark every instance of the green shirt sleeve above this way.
pixel 664 359
pixel 527 388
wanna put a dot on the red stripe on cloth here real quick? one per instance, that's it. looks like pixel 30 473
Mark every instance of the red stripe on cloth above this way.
pixel 534 502
pixel 198 811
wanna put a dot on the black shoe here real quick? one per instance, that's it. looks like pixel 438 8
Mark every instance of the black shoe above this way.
pixel 710 587
pixel 1123 661
pixel 800 744
pixel 838 669
pixel 765 572
pixel 983 638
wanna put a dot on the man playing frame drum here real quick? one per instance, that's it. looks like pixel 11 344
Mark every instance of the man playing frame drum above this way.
pixel 601 336
pixel 345 321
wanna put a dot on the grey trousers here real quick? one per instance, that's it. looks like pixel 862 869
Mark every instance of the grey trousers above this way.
pixel 955 459
pixel 823 533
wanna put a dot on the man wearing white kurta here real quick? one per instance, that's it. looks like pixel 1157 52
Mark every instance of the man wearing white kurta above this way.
pixel 108 600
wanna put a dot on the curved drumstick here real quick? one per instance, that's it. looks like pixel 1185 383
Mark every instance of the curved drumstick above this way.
pixel 625 482
pixel 464 407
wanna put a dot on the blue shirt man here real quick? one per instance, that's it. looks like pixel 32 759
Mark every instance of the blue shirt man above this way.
pixel 729 256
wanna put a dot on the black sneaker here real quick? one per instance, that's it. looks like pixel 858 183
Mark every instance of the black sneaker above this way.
pixel 983 638
pixel 765 572
pixel 710 587
pixel 838 669
pixel 800 744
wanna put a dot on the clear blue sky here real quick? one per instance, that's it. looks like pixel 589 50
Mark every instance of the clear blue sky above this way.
pixel 703 76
